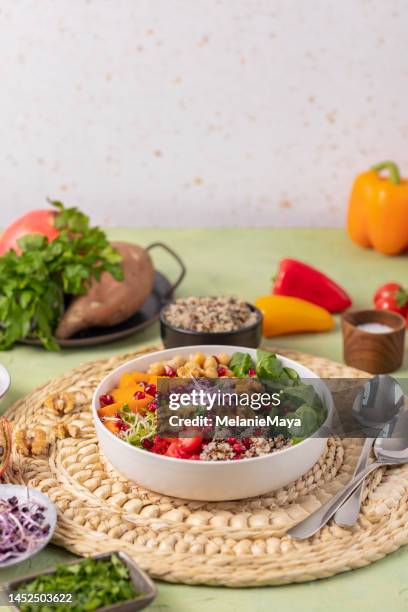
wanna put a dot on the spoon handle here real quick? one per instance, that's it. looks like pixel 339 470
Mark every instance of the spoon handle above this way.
pixel 347 514
pixel 318 519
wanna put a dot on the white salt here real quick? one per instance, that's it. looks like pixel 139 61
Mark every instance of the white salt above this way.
pixel 375 328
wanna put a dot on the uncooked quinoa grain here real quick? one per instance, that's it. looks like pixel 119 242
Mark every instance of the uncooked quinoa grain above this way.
pixel 210 314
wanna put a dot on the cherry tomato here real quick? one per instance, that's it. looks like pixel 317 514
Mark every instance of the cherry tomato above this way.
pixel 34 222
pixel 173 450
pixel 390 303
pixel 183 448
pixel 190 444
pixel 386 290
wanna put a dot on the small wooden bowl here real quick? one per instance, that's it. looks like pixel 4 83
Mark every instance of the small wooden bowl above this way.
pixel 377 353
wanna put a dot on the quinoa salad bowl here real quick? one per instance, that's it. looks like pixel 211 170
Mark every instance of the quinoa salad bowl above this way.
pixel 196 468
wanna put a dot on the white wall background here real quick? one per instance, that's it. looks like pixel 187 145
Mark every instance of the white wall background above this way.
pixel 199 112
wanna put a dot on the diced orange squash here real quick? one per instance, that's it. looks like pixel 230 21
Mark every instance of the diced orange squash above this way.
pixel 126 380
pixel 110 410
pixel 129 379
pixel 139 405
pixel 125 394
pixel 112 426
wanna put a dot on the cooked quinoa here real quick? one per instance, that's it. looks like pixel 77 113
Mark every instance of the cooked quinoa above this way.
pixel 210 314
pixel 220 450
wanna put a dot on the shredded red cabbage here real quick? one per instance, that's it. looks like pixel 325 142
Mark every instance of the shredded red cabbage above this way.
pixel 22 527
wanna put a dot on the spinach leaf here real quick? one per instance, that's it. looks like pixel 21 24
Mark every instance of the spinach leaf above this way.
pixel 240 364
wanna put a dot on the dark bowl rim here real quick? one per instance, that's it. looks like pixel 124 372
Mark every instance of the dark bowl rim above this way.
pixel 193 332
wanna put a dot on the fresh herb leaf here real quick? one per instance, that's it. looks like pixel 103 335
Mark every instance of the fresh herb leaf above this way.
pixel 240 364
pixel 93 583
pixel 268 366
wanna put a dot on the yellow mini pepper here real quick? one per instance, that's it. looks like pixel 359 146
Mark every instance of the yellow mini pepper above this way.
pixel 378 210
pixel 289 315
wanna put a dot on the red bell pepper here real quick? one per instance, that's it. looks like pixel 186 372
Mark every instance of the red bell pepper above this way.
pixel 300 280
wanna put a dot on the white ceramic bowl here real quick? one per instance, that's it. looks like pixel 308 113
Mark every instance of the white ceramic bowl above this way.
pixel 4 380
pixel 21 492
pixel 208 480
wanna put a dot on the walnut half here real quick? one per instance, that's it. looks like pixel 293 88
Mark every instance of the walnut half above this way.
pixel 32 444
pixel 60 403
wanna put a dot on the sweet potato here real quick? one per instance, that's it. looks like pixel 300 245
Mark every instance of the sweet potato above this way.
pixel 110 409
pixel 112 426
pixel 108 301
pixel 128 379
pixel 139 405
pixel 125 394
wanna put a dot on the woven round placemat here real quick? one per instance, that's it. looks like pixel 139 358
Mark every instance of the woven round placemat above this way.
pixel 240 543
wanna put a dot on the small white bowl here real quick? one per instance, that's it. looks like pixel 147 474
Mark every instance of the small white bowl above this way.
pixel 4 380
pixel 209 480
pixel 20 491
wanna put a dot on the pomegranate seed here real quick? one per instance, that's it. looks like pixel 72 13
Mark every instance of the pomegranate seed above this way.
pixel 238 448
pixel 106 400
pixel 147 443
pixel 139 395
pixel 231 441
pixel 169 371
pixel 246 442
pixel 252 372
pixel 221 371
pixel 237 457
pixel 151 389
pixel 122 425
pixel 152 406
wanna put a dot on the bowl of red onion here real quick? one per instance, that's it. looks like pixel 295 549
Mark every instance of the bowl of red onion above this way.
pixel 27 522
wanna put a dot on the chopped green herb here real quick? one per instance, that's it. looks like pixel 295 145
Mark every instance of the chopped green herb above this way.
pixel 93 583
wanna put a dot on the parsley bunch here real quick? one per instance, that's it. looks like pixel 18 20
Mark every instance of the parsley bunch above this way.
pixel 33 285
pixel 92 583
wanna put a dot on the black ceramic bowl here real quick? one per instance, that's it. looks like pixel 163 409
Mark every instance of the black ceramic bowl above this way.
pixel 246 336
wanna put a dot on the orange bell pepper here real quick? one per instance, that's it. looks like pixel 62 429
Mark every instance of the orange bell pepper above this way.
pixel 378 210
pixel 289 315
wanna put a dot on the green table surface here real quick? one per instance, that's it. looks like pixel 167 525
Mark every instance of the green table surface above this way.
pixel 242 262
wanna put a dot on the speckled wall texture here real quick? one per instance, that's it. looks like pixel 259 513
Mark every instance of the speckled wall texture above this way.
pixel 199 112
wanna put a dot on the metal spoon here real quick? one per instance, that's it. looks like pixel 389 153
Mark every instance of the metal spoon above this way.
pixel 377 402
pixel 390 448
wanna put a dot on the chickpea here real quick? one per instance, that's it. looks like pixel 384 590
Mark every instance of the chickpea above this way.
pixel 190 364
pixel 156 368
pixel 197 358
pixel 211 363
pixel 224 359
pixel 210 372
pixel 197 371
pixel 176 362
pixel 182 372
